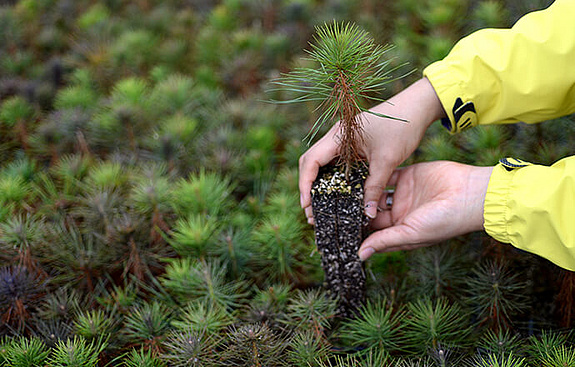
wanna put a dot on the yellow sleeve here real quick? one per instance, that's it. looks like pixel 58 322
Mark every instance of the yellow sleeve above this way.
pixel 525 73
pixel 532 207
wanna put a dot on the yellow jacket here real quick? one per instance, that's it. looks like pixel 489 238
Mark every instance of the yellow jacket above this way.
pixel 526 73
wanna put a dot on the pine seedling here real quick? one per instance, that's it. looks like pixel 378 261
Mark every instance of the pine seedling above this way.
pixel 62 132
pixel 500 343
pixel 53 201
pixel 98 208
pixel 129 107
pixel 75 96
pixel 62 304
pixel 311 310
pixel 119 297
pixel 15 191
pixel 151 196
pixel 204 281
pixel 280 248
pixel 17 113
pixel 254 345
pixel 51 331
pixel 440 147
pixel 235 249
pixel 269 306
pixel 69 170
pixel 496 294
pixel 282 203
pixel 77 257
pixel 371 358
pixel 76 352
pixel 23 233
pixel 140 358
pixel 307 350
pixel 191 348
pixel 349 70
pixel 135 50
pixel 25 352
pixel 203 317
pixel 551 349
pixel 435 271
pixel 486 145
pixel 433 324
pixel 175 94
pixel 23 167
pixel 203 193
pixel 93 324
pixel 148 324
pixel 377 326
pixel 497 360
pixel 195 235
pixel 19 294
pixel 490 14
pixel 107 175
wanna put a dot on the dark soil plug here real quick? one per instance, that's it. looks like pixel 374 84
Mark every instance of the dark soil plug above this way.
pixel 340 227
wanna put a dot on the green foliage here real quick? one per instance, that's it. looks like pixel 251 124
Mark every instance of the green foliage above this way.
pixel 433 324
pixel 203 317
pixel 281 251
pixel 495 293
pixel 21 232
pixel 500 343
pixel 254 345
pixel 552 349
pixel 76 352
pixel 75 97
pixel 190 348
pixel 497 360
pixel 147 324
pixel 15 110
pixel 194 236
pixel 377 327
pixel 24 352
pixel 141 358
pixel 205 281
pixel 311 310
pixel 204 193
pixel 490 14
pixel 147 195
pixel 93 324
pixel 307 350
pixel 436 271
pixel 345 56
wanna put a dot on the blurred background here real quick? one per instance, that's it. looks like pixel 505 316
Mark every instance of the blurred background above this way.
pixel 148 187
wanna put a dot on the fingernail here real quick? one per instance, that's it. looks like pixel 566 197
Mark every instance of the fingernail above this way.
pixel 366 253
pixel 310 221
pixel 301 200
pixel 371 209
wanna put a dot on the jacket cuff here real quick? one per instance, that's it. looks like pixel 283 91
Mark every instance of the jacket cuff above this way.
pixel 495 207
pixel 461 113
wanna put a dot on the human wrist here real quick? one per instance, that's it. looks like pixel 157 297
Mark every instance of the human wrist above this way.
pixel 478 182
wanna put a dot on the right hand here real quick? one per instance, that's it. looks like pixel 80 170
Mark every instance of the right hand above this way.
pixel 387 142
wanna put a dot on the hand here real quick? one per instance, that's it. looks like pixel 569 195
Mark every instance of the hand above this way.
pixel 432 202
pixel 388 142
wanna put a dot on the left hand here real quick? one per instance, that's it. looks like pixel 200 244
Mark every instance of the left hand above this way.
pixel 432 202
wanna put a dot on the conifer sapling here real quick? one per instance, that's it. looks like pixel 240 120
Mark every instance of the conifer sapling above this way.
pixel 349 70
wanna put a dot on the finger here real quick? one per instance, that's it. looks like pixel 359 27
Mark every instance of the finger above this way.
pixel 323 152
pixel 382 220
pixel 309 214
pixel 395 238
pixel 374 186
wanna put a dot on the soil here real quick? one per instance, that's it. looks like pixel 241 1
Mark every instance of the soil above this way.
pixel 340 227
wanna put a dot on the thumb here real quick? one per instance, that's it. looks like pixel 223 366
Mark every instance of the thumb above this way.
pixel 400 237
pixel 375 183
